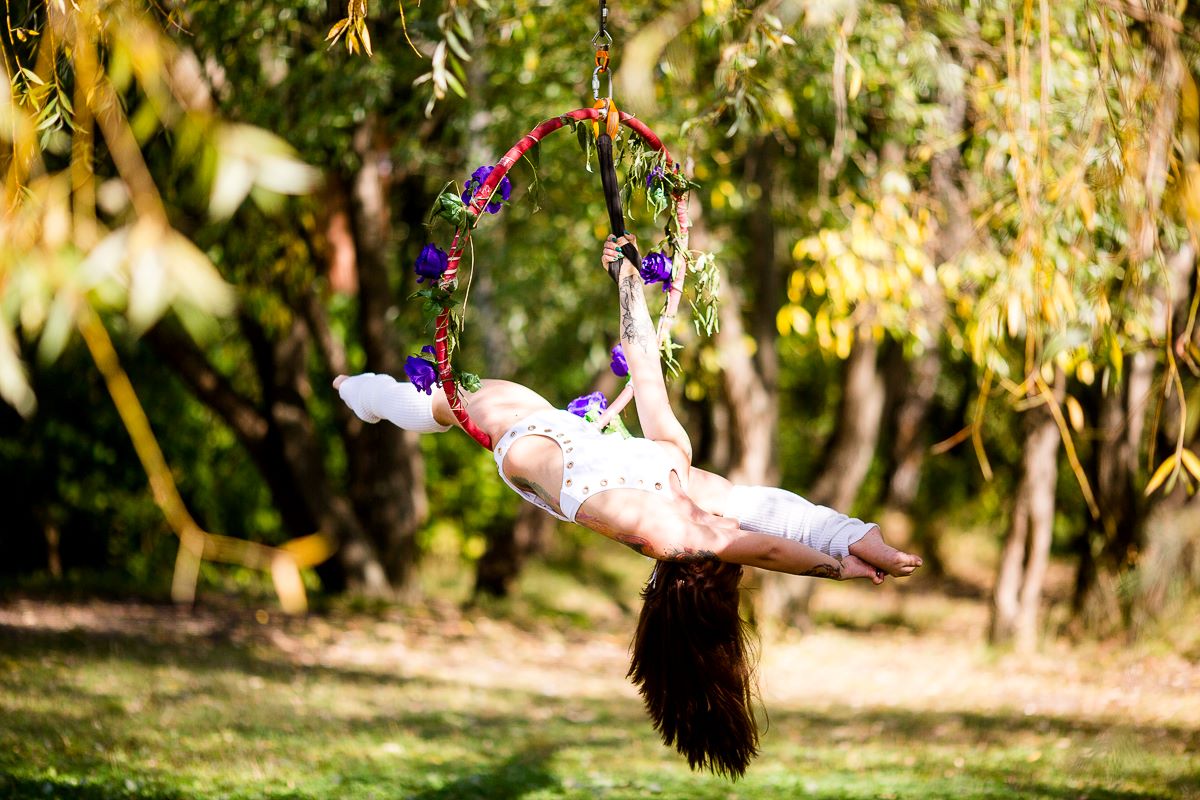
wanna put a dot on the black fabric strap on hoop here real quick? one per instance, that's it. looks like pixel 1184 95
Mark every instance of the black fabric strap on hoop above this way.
pixel 612 199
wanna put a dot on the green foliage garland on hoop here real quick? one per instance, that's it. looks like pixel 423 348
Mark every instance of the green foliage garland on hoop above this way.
pixel 667 190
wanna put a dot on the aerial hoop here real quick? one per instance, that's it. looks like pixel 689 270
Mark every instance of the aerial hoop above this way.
pixel 475 207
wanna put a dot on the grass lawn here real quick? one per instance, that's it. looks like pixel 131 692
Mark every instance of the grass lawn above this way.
pixel 111 700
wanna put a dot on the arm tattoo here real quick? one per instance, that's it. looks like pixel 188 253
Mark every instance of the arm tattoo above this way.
pixel 825 571
pixel 637 544
pixel 635 320
pixel 689 555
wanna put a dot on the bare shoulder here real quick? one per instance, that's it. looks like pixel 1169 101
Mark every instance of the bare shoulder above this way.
pixel 679 459
pixel 709 490
pixel 498 405
pixel 497 392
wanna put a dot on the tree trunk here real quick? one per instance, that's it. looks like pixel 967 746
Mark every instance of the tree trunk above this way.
pixel 1110 547
pixel 745 418
pixel 752 406
pixel 848 458
pixel 1016 599
pixel 279 436
pixel 917 379
pixel 860 415
pixel 387 472
pixel 1094 602
pixel 509 547
pixel 374 521
pixel 1107 549
pixel 911 385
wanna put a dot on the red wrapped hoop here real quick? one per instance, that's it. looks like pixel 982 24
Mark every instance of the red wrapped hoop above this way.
pixel 475 208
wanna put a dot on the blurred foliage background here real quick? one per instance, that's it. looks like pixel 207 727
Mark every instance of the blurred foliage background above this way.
pixel 957 243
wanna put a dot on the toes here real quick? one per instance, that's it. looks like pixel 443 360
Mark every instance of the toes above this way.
pixel 904 564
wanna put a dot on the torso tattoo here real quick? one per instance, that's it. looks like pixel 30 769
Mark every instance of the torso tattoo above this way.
pixel 536 488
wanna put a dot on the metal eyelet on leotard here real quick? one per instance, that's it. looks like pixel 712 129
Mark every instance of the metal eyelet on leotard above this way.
pixel 658 486
pixel 622 480
pixel 568 481
pixel 604 483
pixel 570 464
pixel 531 427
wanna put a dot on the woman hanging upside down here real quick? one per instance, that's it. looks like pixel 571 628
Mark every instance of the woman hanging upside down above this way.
pixel 690 653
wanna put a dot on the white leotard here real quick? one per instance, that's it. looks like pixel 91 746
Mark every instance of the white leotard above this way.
pixel 593 462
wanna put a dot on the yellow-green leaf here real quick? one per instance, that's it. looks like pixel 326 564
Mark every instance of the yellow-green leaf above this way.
pixel 1075 413
pixel 856 81
pixel 336 31
pixel 365 35
pixel 14 382
pixel 1160 474
pixel 1191 462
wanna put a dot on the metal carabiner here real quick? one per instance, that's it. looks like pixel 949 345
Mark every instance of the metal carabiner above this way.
pixel 602 39
pixel 596 82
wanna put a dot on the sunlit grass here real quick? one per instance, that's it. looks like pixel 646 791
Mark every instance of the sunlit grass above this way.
pixel 416 705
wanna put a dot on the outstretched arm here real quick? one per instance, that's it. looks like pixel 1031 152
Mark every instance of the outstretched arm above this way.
pixel 639 340
pixel 781 513
pixel 678 530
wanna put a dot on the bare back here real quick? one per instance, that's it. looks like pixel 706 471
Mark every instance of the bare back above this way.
pixel 496 407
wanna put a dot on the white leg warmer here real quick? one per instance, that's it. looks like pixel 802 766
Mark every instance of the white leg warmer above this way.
pixel 765 509
pixel 374 397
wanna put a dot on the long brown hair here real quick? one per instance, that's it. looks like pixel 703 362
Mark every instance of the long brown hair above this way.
pixel 693 664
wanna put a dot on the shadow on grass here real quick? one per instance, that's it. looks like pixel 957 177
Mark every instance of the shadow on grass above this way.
pixel 221 649
pixel 996 728
pixel 518 775
pixel 19 788
pixel 510 756
pixel 219 652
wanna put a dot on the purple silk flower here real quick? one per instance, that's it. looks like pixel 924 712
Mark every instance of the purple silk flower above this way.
pixel 619 365
pixel 421 371
pixel 580 406
pixel 478 177
pixel 656 268
pixel 431 263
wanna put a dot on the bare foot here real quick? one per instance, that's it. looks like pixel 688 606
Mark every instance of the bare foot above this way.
pixel 855 567
pixel 878 553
